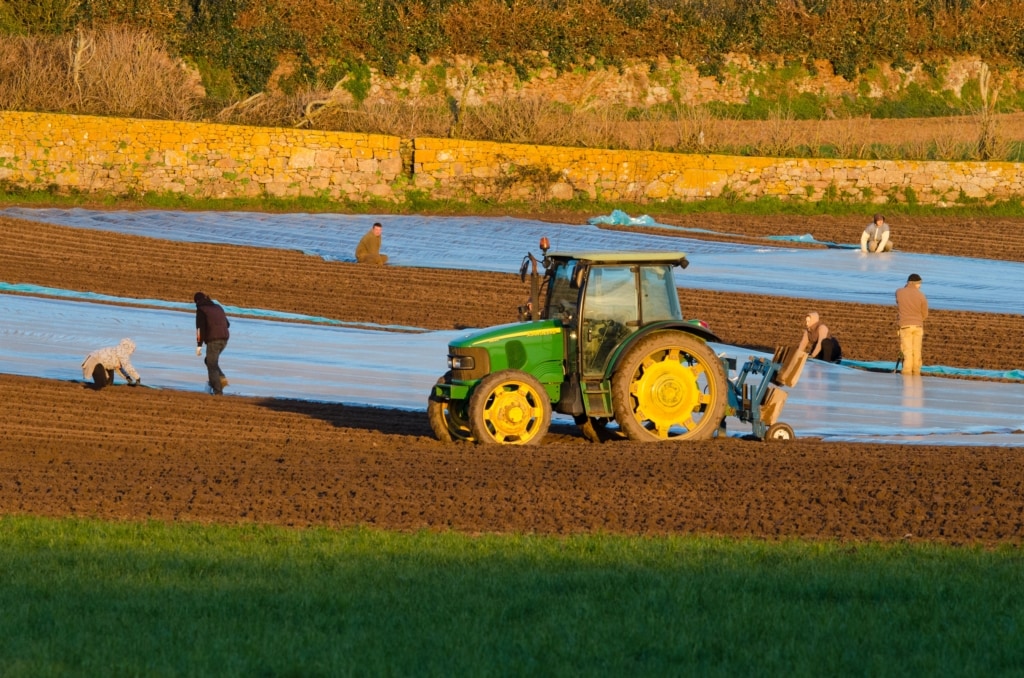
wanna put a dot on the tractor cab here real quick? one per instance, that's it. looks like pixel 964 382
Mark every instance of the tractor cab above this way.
pixel 606 298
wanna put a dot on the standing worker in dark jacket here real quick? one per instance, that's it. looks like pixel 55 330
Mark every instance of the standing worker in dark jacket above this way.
pixel 911 312
pixel 212 329
pixel 368 249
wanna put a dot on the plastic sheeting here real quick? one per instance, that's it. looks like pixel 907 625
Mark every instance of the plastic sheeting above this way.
pixel 498 244
pixel 51 337
pixel 40 290
pixel 272 358
pixel 620 218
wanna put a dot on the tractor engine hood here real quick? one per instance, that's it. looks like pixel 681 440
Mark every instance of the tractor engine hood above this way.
pixel 536 347
pixel 507 332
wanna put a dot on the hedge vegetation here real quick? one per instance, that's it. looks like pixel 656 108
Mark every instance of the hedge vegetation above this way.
pixel 124 58
pixel 237 43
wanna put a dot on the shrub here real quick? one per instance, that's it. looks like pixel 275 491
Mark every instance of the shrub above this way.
pixel 916 102
pixel 112 71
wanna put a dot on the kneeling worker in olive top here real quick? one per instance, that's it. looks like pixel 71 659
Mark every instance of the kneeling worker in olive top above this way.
pixel 876 237
pixel 368 249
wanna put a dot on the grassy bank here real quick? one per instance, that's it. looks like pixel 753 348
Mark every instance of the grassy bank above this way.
pixel 417 204
pixel 93 598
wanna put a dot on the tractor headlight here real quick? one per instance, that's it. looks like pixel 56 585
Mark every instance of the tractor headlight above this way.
pixel 461 362
pixel 468 364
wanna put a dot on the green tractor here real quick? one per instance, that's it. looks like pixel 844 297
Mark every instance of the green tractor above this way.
pixel 607 343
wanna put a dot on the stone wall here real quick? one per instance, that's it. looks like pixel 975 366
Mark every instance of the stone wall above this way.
pixel 126 156
pixel 122 156
pixel 453 168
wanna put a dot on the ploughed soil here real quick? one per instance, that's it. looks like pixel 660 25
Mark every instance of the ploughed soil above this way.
pixel 139 453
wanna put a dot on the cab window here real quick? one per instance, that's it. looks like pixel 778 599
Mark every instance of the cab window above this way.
pixel 610 314
pixel 659 299
pixel 562 296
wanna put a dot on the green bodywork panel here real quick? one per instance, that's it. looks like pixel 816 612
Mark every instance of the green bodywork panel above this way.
pixel 536 348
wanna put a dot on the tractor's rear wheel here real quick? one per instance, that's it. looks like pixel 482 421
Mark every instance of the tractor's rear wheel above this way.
pixel 509 407
pixel 670 386
pixel 447 418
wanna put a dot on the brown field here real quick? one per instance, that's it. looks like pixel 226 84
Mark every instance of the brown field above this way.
pixel 130 454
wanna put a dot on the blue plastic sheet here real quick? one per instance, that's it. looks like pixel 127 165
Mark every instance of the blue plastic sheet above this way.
pixel 49 338
pixel 498 244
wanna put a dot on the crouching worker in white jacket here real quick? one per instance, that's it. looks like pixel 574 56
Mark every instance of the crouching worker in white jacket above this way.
pixel 876 237
pixel 102 363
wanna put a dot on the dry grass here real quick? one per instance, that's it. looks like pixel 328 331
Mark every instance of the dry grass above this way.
pixel 521 120
pixel 114 71
pixel 395 118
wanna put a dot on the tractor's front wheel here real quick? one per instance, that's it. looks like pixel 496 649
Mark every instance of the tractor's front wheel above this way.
pixel 509 407
pixel 447 418
pixel 670 386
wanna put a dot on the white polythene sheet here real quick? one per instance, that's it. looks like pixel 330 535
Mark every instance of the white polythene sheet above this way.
pixel 499 244
pixel 49 338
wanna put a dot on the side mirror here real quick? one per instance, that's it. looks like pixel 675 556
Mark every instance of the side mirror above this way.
pixel 524 268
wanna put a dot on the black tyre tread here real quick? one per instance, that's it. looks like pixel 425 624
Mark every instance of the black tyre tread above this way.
pixel 439 421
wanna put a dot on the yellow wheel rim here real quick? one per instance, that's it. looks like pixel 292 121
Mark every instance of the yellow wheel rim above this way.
pixel 669 392
pixel 513 413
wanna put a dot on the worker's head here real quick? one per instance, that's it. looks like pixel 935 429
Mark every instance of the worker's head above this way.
pixel 879 219
pixel 127 345
pixel 812 319
pixel 377 228
pixel 914 278
pixel 200 297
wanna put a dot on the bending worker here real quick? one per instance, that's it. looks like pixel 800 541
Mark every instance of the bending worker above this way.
pixel 103 363
pixel 875 237
pixel 818 342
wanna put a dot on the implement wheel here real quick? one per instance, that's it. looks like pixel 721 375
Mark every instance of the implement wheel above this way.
pixel 509 407
pixel 670 386
pixel 447 418
pixel 779 431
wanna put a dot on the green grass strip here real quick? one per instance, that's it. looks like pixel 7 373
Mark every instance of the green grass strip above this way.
pixel 417 203
pixel 83 597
